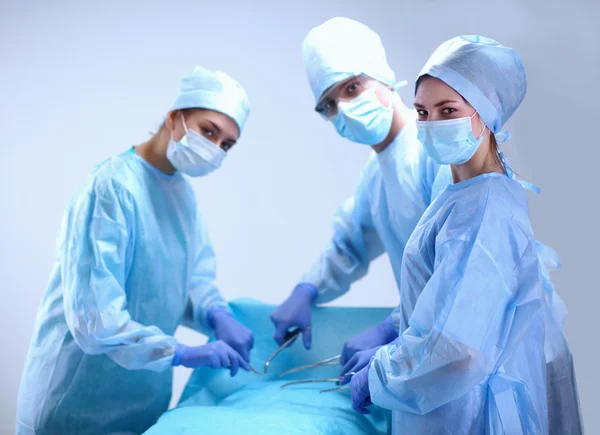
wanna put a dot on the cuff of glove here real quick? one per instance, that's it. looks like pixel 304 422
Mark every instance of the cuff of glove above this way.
pixel 388 329
pixel 307 291
pixel 178 354
pixel 214 313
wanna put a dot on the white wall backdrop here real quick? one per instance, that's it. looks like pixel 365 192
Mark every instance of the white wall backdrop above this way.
pixel 80 81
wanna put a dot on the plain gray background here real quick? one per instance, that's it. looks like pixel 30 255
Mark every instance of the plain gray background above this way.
pixel 80 81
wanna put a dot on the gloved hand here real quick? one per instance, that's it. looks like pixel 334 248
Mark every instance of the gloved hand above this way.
pixel 231 331
pixel 378 335
pixel 359 388
pixel 358 361
pixel 295 311
pixel 217 355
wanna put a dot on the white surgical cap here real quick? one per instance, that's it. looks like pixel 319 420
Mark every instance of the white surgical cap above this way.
pixel 341 48
pixel 488 75
pixel 203 89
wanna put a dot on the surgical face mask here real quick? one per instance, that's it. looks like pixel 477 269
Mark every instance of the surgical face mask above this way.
pixel 194 155
pixel 450 141
pixel 364 119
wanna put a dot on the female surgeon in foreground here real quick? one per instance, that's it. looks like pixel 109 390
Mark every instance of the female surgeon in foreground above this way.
pixel 476 309
pixel 134 261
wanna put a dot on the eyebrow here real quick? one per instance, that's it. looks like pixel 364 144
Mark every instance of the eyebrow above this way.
pixel 441 103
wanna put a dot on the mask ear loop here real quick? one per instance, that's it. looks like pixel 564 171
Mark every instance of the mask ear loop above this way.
pixel 185 128
pixel 394 88
pixel 484 126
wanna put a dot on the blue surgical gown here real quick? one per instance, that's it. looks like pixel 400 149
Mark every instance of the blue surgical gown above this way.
pixel 133 261
pixel 394 189
pixel 470 357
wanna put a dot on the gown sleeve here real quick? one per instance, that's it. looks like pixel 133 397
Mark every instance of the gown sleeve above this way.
pixel 484 294
pixel 97 229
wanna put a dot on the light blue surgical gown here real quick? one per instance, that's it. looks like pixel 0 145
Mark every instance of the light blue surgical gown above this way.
pixel 133 261
pixel 473 319
pixel 394 189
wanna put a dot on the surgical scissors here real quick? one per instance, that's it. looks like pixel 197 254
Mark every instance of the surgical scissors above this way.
pixel 334 360
pixel 290 337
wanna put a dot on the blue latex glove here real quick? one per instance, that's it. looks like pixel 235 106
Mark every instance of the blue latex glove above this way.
pixel 231 331
pixel 218 355
pixel 378 335
pixel 359 388
pixel 295 311
pixel 359 361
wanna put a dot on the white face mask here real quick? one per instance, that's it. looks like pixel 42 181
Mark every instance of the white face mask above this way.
pixel 194 155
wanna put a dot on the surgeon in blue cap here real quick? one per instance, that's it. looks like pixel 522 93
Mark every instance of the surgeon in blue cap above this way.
pixel 134 262
pixel 481 348
pixel 355 91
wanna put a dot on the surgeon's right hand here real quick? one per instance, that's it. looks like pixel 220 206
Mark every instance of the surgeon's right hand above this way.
pixel 295 312
pixel 218 355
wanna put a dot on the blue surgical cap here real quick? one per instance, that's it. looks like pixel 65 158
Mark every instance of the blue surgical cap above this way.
pixel 203 89
pixel 488 75
pixel 341 48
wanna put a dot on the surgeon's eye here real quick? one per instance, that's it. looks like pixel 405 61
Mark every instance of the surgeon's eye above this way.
pixel 421 115
pixel 448 110
pixel 227 146
pixel 329 108
pixel 208 132
pixel 329 105
pixel 352 88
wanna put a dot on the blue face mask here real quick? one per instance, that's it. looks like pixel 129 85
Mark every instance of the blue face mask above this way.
pixel 450 141
pixel 364 120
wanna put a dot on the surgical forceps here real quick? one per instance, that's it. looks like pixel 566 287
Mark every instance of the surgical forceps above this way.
pixel 312 381
pixel 334 360
pixel 290 337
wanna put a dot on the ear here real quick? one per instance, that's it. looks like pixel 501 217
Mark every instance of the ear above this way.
pixel 171 119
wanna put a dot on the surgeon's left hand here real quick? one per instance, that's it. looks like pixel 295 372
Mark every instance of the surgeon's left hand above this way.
pixel 359 361
pixel 231 331
pixel 359 387
pixel 378 335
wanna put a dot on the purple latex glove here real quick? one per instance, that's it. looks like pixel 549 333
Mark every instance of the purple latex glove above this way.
pixel 231 331
pixel 218 355
pixel 295 312
pixel 378 335
pixel 358 361
pixel 359 388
